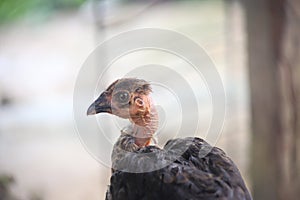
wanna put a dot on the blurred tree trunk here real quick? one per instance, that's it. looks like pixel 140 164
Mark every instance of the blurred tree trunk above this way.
pixel 274 73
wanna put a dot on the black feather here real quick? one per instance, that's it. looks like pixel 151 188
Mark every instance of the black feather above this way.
pixel 189 176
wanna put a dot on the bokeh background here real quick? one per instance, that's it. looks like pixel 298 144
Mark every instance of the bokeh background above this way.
pixel 43 44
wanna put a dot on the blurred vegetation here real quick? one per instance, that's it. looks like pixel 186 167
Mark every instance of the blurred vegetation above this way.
pixel 5 183
pixel 14 9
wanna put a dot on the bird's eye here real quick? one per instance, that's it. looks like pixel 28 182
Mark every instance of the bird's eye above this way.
pixel 123 97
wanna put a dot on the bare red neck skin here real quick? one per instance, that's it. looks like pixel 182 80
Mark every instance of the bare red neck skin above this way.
pixel 145 123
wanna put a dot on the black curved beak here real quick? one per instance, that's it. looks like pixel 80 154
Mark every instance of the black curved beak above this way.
pixel 100 105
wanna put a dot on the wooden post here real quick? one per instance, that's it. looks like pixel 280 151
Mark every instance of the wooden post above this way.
pixel 273 59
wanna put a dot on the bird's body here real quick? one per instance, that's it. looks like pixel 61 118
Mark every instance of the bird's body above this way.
pixel 180 170
pixel 189 176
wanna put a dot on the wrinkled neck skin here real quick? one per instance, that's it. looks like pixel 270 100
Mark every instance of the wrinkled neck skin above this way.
pixel 144 124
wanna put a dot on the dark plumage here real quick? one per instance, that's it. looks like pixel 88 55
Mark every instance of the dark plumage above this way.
pixel 189 176
pixel 178 171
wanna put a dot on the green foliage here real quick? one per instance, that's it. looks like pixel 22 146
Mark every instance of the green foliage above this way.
pixel 14 9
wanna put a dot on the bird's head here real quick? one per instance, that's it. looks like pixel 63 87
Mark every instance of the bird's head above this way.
pixel 127 98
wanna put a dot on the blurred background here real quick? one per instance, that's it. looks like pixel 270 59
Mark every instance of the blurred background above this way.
pixel 255 46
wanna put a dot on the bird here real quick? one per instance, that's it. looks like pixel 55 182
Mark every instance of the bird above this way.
pixel 141 170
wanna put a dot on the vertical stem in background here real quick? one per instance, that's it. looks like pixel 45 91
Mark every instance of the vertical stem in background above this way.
pixel 264 28
pixel 274 51
pixel 98 10
pixel 236 84
pixel 290 71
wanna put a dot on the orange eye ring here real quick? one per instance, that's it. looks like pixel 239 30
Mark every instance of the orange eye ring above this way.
pixel 139 102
